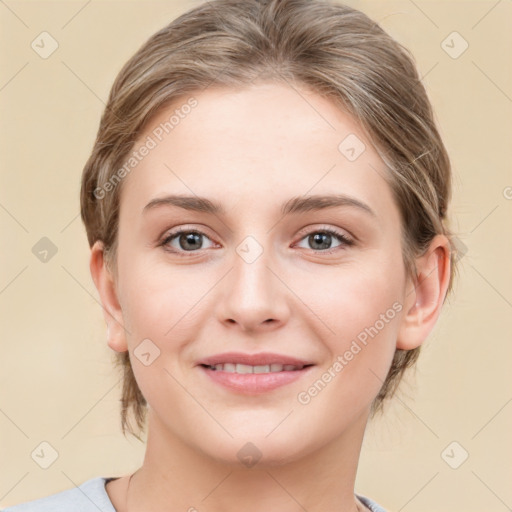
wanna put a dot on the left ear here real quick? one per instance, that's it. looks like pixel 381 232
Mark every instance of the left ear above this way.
pixel 425 294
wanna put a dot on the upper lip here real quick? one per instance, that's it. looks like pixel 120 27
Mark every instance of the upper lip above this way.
pixel 262 358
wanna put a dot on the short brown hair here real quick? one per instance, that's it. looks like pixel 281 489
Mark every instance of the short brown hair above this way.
pixel 334 50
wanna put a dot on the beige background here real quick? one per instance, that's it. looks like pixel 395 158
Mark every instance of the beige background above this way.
pixel 57 382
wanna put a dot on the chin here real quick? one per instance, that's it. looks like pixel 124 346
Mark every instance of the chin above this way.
pixel 256 450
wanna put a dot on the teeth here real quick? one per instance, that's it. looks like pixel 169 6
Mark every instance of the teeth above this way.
pixel 228 367
pixel 246 368
pixel 243 368
pixel 261 369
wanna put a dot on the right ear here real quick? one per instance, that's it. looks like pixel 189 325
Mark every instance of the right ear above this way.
pixel 112 311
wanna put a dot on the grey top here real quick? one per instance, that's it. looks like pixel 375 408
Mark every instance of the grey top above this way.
pixel 92 496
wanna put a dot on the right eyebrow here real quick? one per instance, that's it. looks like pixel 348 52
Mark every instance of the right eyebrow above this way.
pixel 193 203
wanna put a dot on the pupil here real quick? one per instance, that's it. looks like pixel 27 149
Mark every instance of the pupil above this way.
pixel 190 238
pixel 317 238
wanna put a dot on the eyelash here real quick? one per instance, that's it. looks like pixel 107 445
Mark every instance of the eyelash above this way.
pixel 345 241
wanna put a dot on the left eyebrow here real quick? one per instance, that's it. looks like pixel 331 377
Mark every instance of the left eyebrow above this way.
pixel 319 202
pixel 297 204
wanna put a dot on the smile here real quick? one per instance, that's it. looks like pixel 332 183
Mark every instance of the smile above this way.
pixel 246 368
pixel 248 379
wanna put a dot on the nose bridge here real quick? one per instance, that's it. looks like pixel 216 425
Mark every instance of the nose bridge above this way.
pixel 253 296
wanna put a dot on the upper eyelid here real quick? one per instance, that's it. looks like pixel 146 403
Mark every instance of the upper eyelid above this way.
pixel 302 234
pixel 180 231
pixel 337 231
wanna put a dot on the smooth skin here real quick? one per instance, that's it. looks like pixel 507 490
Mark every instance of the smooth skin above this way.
pixel 251 150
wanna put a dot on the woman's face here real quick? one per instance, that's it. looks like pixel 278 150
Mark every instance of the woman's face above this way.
pixel 264 266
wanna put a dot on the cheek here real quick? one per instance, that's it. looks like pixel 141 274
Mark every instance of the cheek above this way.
pixel 351 298
pixel 357 315
pixel 157 299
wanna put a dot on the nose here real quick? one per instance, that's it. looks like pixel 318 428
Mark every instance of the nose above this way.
pixel 253 296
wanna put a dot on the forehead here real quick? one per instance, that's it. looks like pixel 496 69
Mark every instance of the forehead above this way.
pixel 255 145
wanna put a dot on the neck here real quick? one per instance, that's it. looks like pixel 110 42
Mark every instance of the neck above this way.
pixel 176 477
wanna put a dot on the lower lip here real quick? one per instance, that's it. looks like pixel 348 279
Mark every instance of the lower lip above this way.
pixel 254 383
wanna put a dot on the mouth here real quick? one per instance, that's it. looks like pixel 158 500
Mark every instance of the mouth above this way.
pixel 247 368
pixel 253 373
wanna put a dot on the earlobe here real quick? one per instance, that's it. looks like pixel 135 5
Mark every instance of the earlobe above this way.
pixel 425 296
pixel 112 312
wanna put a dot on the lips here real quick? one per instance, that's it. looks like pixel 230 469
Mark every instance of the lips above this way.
pixel 253 373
